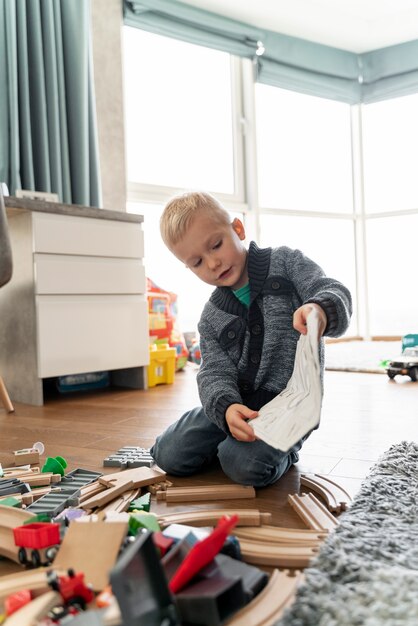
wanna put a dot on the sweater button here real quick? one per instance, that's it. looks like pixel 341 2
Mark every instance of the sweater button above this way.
pixel 231 334
pixel 255 358
pixel 275 284
pixel 256 329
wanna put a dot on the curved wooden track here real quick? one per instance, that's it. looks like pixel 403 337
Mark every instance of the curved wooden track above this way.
pixel 336 497
pixel 261 553
pixel 210 517
pixel 280 535
pixel 11 517
pixel 269 604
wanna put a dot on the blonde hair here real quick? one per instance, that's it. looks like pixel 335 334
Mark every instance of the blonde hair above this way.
pixel 181 210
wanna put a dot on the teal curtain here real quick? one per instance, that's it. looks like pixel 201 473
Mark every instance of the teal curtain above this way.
pixel 48 129
pixel 288 62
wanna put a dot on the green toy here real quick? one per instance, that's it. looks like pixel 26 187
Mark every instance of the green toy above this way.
pixel 56 465
pixel 142 503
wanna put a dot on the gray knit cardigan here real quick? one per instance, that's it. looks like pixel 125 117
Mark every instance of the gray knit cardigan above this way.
pixel 248 353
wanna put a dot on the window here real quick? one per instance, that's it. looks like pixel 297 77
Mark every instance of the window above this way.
pixel 328 242
pixel 390 143
pixel 303 152
pixel 184 108
pixel 179 124
pixel 391 255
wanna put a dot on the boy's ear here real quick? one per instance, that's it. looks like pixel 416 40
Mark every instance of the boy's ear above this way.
pixel 238 227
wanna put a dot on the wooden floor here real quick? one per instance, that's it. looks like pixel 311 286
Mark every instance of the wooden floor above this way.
pixel 362 416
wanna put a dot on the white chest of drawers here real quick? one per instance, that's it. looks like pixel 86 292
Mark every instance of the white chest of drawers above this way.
pixel 77 299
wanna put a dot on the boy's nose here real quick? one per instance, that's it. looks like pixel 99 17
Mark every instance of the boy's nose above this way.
pixel 213 263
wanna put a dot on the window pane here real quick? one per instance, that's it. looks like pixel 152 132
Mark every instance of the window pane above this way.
pixel 178 113
pixel 304 151
pixel 390 144
pixel 328 242
pixel 392 256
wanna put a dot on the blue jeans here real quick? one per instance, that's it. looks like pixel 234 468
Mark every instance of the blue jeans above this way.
pixel 193 442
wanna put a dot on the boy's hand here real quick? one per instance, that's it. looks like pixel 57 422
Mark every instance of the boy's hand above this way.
pixel 301 314
pixel 236 416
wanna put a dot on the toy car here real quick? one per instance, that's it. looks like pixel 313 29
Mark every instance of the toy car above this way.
pixel 406 364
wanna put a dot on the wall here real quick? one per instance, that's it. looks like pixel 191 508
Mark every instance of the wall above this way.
pixel 107 20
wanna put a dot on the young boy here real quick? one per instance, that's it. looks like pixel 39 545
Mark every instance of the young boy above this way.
pixel 248 330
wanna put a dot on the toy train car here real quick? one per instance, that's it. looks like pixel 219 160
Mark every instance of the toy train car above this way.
pixel 38 542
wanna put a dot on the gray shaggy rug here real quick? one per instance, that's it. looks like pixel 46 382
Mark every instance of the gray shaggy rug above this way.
pixel 366 572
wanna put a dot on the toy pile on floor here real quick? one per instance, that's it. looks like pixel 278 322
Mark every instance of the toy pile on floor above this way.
pixel 92 551
pixel 163 321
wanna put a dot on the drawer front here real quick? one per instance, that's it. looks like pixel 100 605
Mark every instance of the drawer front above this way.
pixel 67 234
pixel 60 273
pixel 79 334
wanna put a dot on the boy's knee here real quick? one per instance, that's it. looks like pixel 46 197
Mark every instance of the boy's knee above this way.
pixel 254 471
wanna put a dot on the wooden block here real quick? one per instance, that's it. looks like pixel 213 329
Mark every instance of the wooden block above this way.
pixel 92 549
pixel 28 456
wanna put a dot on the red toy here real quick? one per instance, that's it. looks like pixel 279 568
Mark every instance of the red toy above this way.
pixel 202 553
pixel 42 538
pixel 17 600
pixel 72 588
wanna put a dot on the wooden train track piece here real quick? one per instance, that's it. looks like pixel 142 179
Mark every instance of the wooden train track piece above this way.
pixel 208 492
pixel 8 547
pixel 18 472
pixel 88 491
pixel 41 479
pixel 121 504
pixel 11 517
pixel 139 477
pixel 268 606
pixel 210 517
pixel 282 536
pixel 335 496
pixel 312 512
pixel 106 496
pixel 162 486
pixel 31 613
pixel 262 553
pixel 34 579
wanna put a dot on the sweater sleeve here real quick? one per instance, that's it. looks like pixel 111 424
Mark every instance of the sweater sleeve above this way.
pixel 314 286
pixel 217 378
